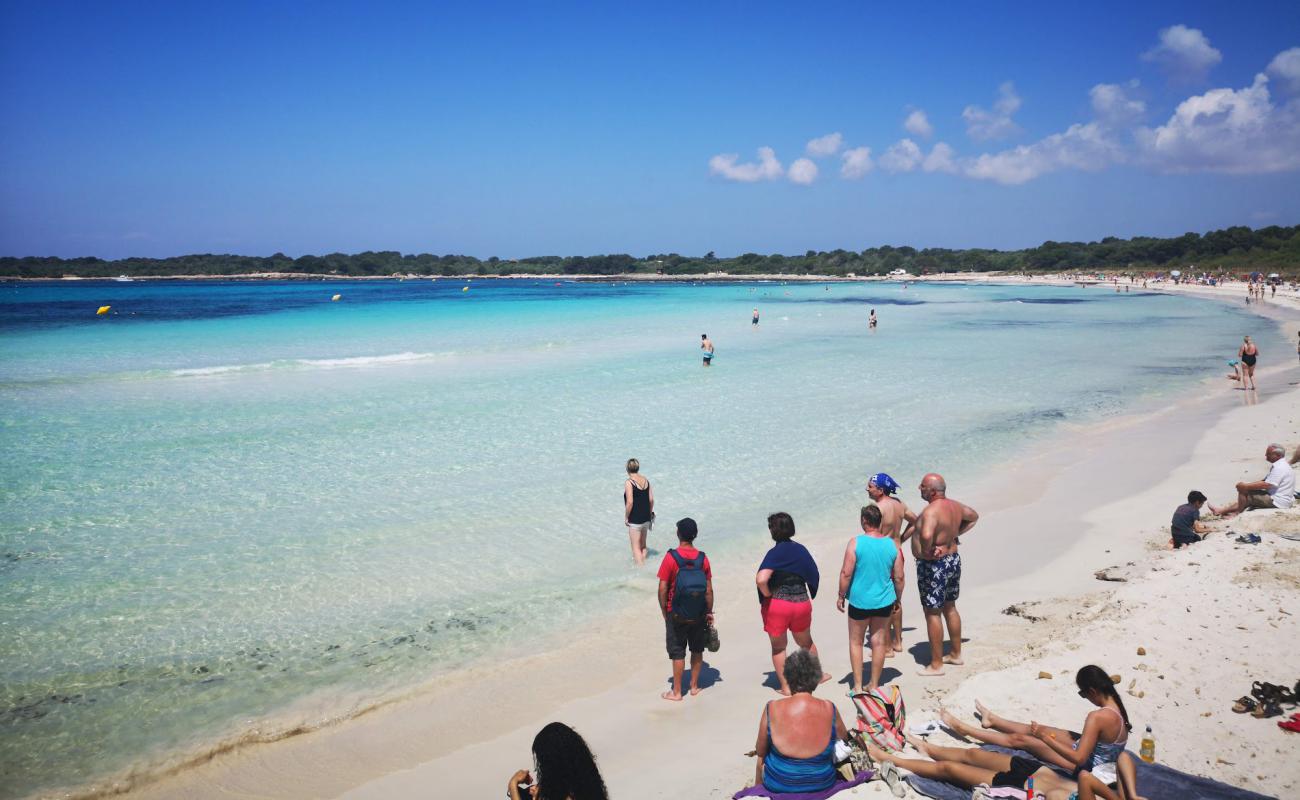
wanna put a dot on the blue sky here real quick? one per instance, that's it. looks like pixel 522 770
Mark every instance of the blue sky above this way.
pixel 159 129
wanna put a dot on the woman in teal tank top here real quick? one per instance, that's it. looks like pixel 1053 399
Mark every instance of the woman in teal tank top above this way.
pixel 871 581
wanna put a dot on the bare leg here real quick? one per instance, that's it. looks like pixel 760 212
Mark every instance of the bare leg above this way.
pixel 896 634
pixel 948 771
pixel 778 661
pixel 953 619
pixel 857 631
pixel 879 644
pixel 934 630
pixel 638 547
pixel 697 664
pixel 804 640
pixel 679 666
pixel 1017 741
pixel 641 543
pixel 998 762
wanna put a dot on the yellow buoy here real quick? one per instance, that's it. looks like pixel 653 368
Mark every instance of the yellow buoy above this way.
pixel 464 289
pixel 335 298
pixel 102 310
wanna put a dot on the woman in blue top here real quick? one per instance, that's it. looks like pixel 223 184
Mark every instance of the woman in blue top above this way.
pixel 871 580
pixel 797 734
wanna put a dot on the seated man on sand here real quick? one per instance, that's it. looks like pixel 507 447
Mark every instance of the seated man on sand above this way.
pixel 1186 527
pixel 1277 490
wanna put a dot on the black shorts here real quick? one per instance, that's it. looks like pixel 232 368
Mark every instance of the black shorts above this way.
pixel 1021 770
pixel 680 635
pixel 1180 540
pixel 864 613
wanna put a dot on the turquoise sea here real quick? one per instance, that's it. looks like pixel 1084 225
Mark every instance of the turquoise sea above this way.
pixel 223 499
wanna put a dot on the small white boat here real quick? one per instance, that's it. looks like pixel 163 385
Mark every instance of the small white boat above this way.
pixel 124 279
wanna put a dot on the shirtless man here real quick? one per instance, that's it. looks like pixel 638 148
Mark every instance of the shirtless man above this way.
pixel 938 567
pixel 893 513
pixel 706 344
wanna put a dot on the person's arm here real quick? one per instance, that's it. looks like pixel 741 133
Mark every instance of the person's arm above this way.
pixel 627 501
pixel 708 599
pixel 841 733
pixel 512 788
pixel 897 575
pixel 969 517
pixel 663 598
pixel 1295 456
pixel 760 747
pixel 1198 527
pixel 925 532
pixel 763 576
pixel 1081 752
pixel 651 489
pixel 846 574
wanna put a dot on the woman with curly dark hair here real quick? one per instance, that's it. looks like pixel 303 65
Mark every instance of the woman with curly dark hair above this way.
pixel 566 769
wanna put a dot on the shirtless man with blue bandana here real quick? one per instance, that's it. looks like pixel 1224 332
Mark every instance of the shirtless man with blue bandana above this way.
pixel 882 489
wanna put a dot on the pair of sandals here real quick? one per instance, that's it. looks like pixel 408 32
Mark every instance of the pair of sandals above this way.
pixel 1266 700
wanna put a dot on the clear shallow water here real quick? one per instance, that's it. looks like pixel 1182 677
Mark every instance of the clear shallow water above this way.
pixel 224 499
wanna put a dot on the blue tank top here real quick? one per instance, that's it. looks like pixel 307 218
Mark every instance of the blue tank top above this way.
pixel 782 773
pixel 872 586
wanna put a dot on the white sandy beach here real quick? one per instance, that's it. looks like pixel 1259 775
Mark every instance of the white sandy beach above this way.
pixel 1212 619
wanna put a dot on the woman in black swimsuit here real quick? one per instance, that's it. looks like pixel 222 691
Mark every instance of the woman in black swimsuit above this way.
pixel 638 509
pixel 1248 353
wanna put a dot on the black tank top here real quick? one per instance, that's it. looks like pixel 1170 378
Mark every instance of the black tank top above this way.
pixel 640 503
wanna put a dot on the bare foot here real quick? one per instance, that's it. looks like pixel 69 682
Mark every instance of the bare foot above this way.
pixel 890 653
pixel 918 744
pixel 676 698
pixel 929 672
pixel 825 677
pixel 898 647
pixel 855 690
pixel 986 716
pixel 877 755
pixel 695 690
pixel 951 722
pixel 954 660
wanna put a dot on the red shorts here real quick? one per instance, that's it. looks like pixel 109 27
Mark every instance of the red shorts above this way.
pixel 780 616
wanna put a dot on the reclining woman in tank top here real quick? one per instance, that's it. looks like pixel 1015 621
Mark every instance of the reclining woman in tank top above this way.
pixel 1096 749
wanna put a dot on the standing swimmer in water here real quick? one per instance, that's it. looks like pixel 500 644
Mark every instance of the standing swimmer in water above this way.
pixel 755 321
pixel 707 346
pixel 1248 353
pixel 871 320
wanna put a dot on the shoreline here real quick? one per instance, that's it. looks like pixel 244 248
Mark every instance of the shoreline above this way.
pixel 402 746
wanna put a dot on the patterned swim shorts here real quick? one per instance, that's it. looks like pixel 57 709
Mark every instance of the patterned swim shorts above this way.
pixel 939 580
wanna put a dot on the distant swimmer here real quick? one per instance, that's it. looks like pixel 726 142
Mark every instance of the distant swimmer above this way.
pixel 755 320
pixel 938 567
pixel 871 320
pixel 707 346
pixel 881 488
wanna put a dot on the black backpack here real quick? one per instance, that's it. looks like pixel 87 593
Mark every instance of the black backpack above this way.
pixel 688 603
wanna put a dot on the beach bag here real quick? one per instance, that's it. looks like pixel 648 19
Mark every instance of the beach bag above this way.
pixel 882 716
pixel 689 589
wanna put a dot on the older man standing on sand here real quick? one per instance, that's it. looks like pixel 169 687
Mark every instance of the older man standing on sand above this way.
pixel 881 488
pixel 938 567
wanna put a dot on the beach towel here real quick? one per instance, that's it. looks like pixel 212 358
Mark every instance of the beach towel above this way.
pixel 1155 782
pixel 838 786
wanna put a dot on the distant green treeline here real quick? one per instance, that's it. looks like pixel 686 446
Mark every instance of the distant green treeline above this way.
pixel 1233 250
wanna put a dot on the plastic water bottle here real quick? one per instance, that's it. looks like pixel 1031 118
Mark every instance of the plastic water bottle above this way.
pixel 1148 750
pixel 1029 788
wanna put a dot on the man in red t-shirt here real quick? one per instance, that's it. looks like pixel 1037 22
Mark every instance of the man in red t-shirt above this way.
pixel 689 627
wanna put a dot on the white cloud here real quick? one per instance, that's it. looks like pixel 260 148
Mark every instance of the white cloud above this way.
pixel 1084 147
pixel 1236 131
pixel 982 124
pixel 1184 53
pixel 941 159
pixel 918 124
pixel 1285 67
pixel 827 145
pixel 902 156
pixel 803 171
pixel 857 163
pixel 1112 104
pixel 765 169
